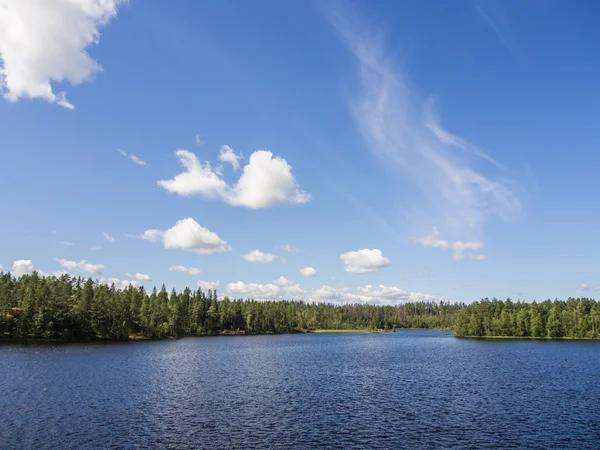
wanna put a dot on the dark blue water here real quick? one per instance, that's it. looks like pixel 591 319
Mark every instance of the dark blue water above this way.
pixel 409 389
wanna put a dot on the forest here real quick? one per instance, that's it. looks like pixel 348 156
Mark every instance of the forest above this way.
pixel 576 318
pixel 76 309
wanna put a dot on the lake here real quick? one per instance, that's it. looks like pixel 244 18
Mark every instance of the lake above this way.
pixel 409 389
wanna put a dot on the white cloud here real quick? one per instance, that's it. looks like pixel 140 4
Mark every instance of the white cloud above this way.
pixel 295 291
pixel 45 41
pixel 206 285
pixel 282 281
pixel 187 234
pixel 458 248
pixel 308 272
pixel 108 237
pixel 188 270
pixel 228 155
pixel 95 248
pixel 67 243
pixel 265 181
pixel 256 291
pixel 364 261
pixel 586 287
pixel 403 132
pixel 132 157
pixel 22 267
pixel 119 284
pixel 80 266
pixel 380 295
pixel 290 248
pixel 256 256
pixel 199 140
pixel 142 277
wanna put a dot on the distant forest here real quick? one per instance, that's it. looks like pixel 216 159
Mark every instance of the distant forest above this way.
pixel 576 318
pixel 73 308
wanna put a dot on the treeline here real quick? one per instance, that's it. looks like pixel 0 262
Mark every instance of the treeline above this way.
pixel 73 308
pixel 574 318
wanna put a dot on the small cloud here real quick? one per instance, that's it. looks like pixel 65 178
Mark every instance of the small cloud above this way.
pixel 187 234
pixel 256 256
pixel 206 285
pixel 290 248
pixel 364 261
pixel 308 272
pixel 458 248
pixel 108 237
pixel 134 158
pixel 67 243
pixel 22 267
pixel 183 269
pixel 228 155
pixel 80 266
pixel 142 277
pixel 282 281
pixel 199 140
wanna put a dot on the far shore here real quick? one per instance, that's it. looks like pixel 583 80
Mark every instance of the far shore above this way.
pixel 531 338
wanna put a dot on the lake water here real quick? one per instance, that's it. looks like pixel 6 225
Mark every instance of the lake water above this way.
pixel 409 389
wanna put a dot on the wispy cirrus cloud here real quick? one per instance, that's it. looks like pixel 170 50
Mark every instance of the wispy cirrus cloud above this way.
pixel 133 157
pixel 495 17
pixel 458 185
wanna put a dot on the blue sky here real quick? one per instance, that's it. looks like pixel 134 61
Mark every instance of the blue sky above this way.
pixel 403 150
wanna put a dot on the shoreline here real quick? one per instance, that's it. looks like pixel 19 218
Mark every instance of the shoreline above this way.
pixel 529 338
pixel 223 333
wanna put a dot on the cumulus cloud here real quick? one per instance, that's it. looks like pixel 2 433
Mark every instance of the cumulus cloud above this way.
pixel 380 295
pixel 256 256
pixel 228 155
pixel 364 261
pixel 265 181
pixel 295 292
pixel 282 281
pixel 290 248
pixel 458 248
pixel 187 234
pixel 142 277
pixel 206 285
pixel 256 291
pixel 308 272
pixel 80 266
pixel 188 270
pixel 456 183
pixel 44 42
pixel 119 284
pixel 134 158
pixel 108 237
pixel 22 267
